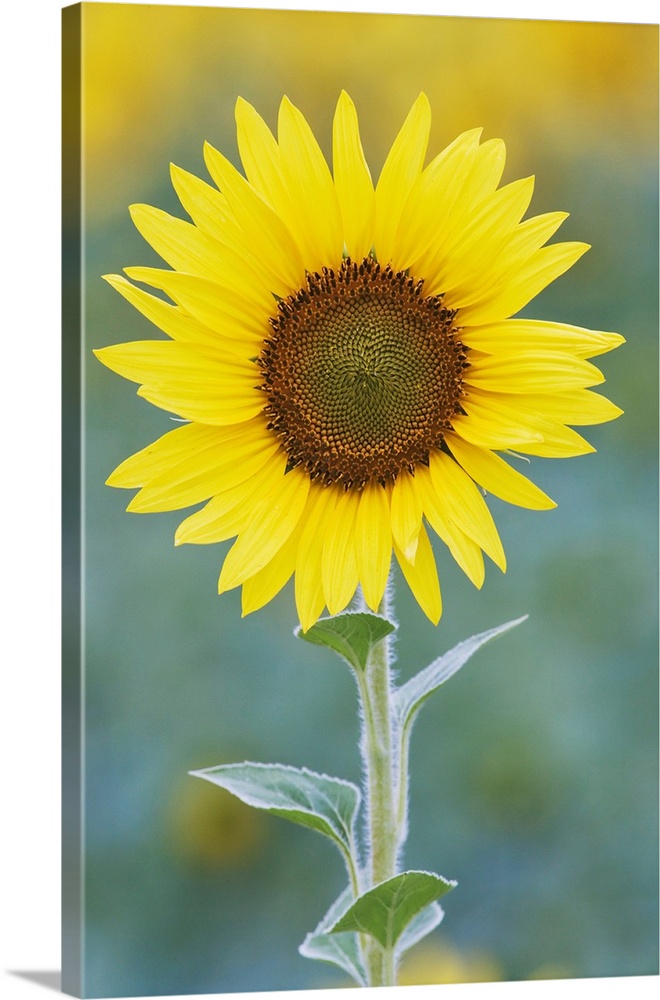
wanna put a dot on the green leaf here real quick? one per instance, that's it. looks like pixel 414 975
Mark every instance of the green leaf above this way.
pixel 385 911
pixel 410 697
pixel 421 924
pixel 328 805
pixel 352 635
pixel 340 949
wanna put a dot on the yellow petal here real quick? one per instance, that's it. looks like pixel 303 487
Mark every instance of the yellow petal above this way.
pixel 466 506
pixel 498 478
pixel 489 424
pixel 422 577
pixel 222 462
pixel 220 402
pixel 209 210
pixel 216 306
pixel 263 228
pixel 373 543
pixel 486 166
pixel 507 260
pixel 539 271
pixel 227 512
pixel 153 360
pixel 401 169
pixel 234 339
pixel 406 514
pixel 165 453
pixel 580 407
pixel 483 237
pixel 558 442
pixel 484 176
pixel 310 599
pixel 355 190
pixel 211 389
pixel 529 372
pixel 520 336
pixel 549 438
pixel 464 550
pixel 339 571
pixel 188 249
pixel 271 523
pixel 432 197
pixel 267 583
pixel 260 156
pixel 317 223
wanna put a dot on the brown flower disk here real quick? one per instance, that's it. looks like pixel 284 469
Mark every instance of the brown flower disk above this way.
pixel 363 374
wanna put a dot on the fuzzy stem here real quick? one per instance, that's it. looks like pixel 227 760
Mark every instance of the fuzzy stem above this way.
pixel 379 765
pixel 380 752
pixel 403 743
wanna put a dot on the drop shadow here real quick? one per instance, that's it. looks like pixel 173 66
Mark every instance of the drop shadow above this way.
pixel 49 980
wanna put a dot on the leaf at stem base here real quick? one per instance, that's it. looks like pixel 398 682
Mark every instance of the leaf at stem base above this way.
pixel 341 949
pixel 388 909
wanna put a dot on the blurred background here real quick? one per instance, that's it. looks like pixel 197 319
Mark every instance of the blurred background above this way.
pixel 534 772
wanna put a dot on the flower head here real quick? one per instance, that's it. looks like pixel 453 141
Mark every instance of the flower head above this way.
pixel 345 361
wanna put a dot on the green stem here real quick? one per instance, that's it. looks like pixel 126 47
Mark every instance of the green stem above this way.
pixel 403 741
pixel 380 756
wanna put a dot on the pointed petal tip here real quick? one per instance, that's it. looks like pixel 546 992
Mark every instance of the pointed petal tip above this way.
pixel 345 102
pixel 614 340
pixel 209 152
pixel 101 354
pixel 223 586
pixel 242 110
pixel 372 601
pixel 410 550
pixel 116 479
pixel 176 172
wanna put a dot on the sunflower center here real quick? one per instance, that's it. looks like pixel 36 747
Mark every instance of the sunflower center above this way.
pixel 363 374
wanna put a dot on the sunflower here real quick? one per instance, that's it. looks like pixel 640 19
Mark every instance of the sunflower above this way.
pixel 343 359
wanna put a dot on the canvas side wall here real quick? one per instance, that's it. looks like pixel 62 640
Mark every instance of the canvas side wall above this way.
pixel 72 856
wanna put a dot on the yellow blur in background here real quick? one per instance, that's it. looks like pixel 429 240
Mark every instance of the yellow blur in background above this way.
pixel 154 73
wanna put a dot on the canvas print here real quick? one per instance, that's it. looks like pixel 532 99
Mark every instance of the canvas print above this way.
pixel 360 354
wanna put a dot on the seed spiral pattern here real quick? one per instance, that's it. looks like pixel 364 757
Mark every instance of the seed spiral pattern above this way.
pixel 363 374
